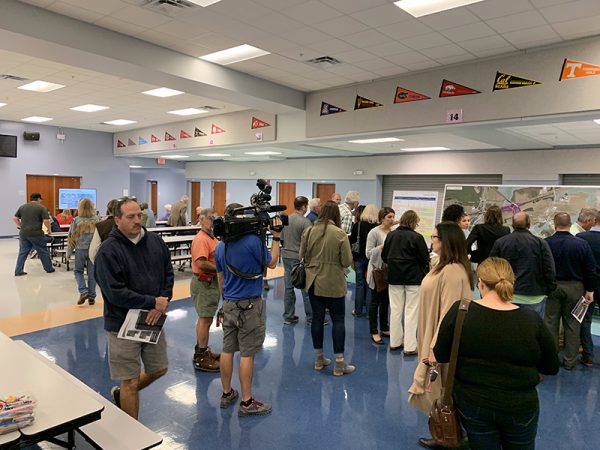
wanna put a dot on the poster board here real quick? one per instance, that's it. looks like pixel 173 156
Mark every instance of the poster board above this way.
pixel 424 203
pixel 541 203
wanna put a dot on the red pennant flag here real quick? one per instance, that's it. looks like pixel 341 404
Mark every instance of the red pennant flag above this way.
pixel 216 130
pixel 184 135
pixel 120 144
pixel 130 142
pixel 405 96
pixel 154 139
pixel 168 137
pixel 451 89
pixel 577 69
pixel 257 123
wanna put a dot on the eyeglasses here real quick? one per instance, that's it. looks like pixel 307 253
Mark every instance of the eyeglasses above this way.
pixel 124 199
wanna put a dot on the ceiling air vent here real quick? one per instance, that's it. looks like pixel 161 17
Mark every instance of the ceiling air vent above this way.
pixel 171 8
pixel 324 61
pixel 209 107
pixel 6 76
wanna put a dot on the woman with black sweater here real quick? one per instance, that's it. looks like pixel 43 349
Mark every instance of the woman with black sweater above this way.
pixel 503 349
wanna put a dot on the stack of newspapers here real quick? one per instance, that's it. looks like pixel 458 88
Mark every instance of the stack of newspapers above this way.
pixel 16 412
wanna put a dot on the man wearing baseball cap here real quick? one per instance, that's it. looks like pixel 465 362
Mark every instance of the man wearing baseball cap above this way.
pixel 29 219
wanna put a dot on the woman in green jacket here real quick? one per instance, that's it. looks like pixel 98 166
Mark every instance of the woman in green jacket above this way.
pixel 326 252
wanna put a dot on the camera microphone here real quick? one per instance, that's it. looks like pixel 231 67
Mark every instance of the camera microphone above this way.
pixel 277 208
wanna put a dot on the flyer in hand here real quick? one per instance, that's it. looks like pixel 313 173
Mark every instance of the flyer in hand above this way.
pixel 134 327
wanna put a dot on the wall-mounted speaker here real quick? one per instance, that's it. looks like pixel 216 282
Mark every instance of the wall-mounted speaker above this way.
pixel 31 135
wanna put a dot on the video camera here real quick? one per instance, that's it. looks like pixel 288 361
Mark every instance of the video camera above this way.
pixel 230 227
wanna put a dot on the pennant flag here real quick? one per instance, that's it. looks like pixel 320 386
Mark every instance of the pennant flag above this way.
pixel 577 69
pixel 199 133
pixel 363 103
pixel 257 123
pixel 154 139
pixel 168 137
pixel 405 96
pixel 451 89
pixel 142 141
pixel 327 109
pixel 216 130
pixel 130 142
pixel 120 144
pixel 506 81
pixel 184 135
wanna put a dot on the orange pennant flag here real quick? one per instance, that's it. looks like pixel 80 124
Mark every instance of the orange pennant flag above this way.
pixel 577 69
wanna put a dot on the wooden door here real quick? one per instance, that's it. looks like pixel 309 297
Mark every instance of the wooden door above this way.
pixel 324 191
pixel 154 197
pixel 44 184
pixel 286 193
pixel 65 183
pixel 219 195
pixel 195 190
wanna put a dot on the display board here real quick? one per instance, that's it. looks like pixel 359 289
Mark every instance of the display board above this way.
pixel 69 198
pixel 424 203
pixel 540 202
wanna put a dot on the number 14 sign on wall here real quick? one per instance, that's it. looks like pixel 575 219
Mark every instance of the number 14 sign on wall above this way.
pixel 454 116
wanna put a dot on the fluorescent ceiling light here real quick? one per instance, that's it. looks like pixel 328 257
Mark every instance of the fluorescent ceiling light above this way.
pixel 204 3
pixel 216 155
pixel 41 86
pixel 89 108
pixel 163 92
pixel 135 167
pixel 418 8
pixel 3 104
pixel 262 153
pixel 36 119
pixel 120 122
pixel 424 149
pixel 174 156
pixel 234 54
pixel 375 140
pixel 188 111
pixel 597 120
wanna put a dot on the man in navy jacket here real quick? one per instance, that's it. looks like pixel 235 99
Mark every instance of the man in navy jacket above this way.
pixel 133 270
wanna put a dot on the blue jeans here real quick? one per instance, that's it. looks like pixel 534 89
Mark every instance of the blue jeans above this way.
pixel 289 298
pixel 585 335
pixel 539 308
pixel 82 259
pixel 488 429
pixel 38 243
pixel 362 292
pixel 337 311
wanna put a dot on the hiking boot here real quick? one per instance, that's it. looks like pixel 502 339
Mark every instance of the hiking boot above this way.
pixel 92 301
pixel 20 274
pixel 216 356
pixel 341 368
pixel 255 408
pixel 227 400
pixel 206 362
pixel 321 361
pixel 82 299
pixel 115 393
pixel 291 321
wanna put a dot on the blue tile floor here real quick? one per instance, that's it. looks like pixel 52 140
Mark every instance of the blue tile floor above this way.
pixel 364 410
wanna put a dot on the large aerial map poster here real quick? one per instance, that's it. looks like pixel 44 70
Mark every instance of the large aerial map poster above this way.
pixel 540 202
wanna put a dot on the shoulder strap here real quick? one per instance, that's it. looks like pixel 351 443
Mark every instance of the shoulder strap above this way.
pixel 305 259
pixel 460 318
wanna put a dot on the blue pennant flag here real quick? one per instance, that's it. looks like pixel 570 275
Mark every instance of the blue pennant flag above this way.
pixel 142 141
pixel 327 109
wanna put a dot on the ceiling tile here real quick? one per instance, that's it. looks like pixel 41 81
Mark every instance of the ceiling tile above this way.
pixel 311 12
pixel 444 51
pixel 332 46
pixel 406 29
pixel 421 65
pixel 40 3
pixel 578 28
pixel 426 41
pixel 74 12
pixel 354 56
pixel 572 10
pixel 366 38
pixel 341 26
pixel 390 72
pixel 407 58
pixel 273 44
pixel 363 76
pixel 491 10
pixel 276 23
pixel 247 10
pixel 515 22
pixel 468 32
pixel 352 6
pixel 274 60
pixel 543 3
pixel 373 64
pixel 388 48
pixel 449 19
pixel 532 37
pixel 455 59
pixel 277 5
pixel 306 36
pixel 486 43
pixel 486 53
pixel 382 15
pixel 119 26
pixel 301 53
pixel 104 7
pixel 182 30
pixel 141 17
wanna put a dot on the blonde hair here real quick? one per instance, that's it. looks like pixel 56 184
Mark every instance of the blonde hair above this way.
pixel 65 213
pixel 497 274
pixel 370 214
pixel 85 208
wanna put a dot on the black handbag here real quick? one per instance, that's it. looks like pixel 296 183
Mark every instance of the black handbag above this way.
pixel 298 272
pixel 444 423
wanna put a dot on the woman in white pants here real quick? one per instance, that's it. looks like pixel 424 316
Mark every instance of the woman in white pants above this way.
pixel 407 257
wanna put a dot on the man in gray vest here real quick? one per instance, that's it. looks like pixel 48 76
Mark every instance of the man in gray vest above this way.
pixel 29 219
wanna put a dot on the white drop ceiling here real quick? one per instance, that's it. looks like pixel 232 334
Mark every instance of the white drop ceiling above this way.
pixel 371 38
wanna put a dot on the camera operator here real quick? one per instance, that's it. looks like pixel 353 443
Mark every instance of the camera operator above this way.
pixel 243 319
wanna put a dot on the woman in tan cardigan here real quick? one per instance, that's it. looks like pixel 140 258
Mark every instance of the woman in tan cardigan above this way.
pixel 449 281
pixel 326 252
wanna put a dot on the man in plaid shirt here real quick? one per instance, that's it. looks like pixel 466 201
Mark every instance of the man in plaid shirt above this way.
pixel 351 202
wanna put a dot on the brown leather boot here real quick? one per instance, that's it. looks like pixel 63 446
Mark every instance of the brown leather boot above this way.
pixel 206 362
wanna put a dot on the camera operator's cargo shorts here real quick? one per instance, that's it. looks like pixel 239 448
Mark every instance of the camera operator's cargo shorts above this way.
pixel 243 326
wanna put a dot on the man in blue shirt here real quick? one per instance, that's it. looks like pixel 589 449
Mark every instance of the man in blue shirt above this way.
pixel 575 277
pixel 243 318
pixel 314 205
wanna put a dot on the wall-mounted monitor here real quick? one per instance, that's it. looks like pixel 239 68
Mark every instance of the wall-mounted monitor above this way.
pixel 69 198
pixel 8 146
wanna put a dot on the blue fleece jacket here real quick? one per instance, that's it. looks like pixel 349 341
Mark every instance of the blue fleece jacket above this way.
pixel 131 275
